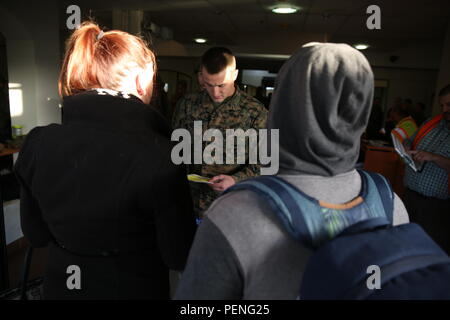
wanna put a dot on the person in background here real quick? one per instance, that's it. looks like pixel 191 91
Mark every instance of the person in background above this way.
pixel 241 249
pixel 100 190
pixel 427 194
pixel 221 105
pixel 405 125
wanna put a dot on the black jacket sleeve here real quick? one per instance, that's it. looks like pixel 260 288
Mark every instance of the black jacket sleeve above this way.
pixel 174 217
pixel 33 226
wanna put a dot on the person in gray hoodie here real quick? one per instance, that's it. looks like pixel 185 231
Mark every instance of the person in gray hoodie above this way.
pixel 321 106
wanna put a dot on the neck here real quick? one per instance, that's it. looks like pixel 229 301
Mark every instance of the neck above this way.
pixel 129 90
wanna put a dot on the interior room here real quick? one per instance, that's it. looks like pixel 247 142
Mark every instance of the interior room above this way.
pixel 407 44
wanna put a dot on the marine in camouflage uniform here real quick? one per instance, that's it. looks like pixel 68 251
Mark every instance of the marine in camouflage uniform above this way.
pixel 240 111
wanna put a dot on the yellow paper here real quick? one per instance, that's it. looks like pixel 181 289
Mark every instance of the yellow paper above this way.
pixel 197 178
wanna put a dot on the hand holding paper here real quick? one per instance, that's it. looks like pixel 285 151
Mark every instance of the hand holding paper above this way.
pixel 405 155
pixel 221 182
pixel 421 156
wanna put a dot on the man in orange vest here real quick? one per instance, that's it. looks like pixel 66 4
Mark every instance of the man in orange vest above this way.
pixel 427 194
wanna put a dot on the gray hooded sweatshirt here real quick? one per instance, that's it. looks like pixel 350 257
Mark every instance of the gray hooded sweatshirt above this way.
pixel 321 106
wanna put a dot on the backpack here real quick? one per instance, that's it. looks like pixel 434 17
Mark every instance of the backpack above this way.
pixel 357 253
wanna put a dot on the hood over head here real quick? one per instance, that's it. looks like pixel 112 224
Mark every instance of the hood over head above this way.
pixel 321 105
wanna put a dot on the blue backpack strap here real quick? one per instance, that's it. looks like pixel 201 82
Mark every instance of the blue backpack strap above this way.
pixel 281 200
pixel 384 190
pixel 310 223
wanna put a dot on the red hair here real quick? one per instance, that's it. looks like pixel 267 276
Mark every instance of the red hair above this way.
pixel 94 61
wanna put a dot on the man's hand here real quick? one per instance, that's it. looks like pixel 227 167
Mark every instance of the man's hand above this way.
pixel 221 182
pixel 422 156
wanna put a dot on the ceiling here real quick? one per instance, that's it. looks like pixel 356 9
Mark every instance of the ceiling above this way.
pixel 236 22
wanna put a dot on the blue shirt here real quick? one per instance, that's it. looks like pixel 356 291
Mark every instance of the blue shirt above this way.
pixel 432 181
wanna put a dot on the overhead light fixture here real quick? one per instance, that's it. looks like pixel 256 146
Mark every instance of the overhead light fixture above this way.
pixel 361 46
pixel 285 9
pixel 200 40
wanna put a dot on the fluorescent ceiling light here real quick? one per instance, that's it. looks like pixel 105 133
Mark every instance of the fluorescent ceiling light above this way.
pixel 285 9
pixel 200 40
pixel 361 46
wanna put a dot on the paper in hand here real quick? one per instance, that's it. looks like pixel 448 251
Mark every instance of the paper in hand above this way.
pixel 197 178
pixel 400 149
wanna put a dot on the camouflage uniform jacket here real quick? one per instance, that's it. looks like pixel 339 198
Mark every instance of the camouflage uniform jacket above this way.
pixel 239 111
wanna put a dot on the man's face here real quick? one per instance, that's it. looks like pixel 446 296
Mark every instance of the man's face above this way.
pixel 444 101
pixel 220 85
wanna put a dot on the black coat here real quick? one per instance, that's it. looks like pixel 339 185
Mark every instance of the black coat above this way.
pixel 102 192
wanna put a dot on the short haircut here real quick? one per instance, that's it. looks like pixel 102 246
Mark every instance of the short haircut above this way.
pixel 444 91
pixel 217 59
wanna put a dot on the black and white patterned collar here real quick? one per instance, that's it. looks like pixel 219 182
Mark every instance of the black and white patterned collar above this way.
pixel 115 93
pixel 112 110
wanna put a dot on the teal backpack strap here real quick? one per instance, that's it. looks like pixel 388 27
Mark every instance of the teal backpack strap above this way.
pixel 384 190
pixel 282 200
pixel 312 223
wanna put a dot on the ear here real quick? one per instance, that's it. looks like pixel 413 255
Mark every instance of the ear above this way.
pixel 138 81
pixel 235 75
pixel 144 78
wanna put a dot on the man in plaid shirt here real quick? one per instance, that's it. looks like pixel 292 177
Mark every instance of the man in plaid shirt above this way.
pixel 427 195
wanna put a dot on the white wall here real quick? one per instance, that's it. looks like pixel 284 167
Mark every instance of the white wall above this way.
pixel 21 66
pixel 48 61
pixel 32 42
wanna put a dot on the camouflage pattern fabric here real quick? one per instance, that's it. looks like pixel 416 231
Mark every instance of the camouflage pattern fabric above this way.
pixel 239 111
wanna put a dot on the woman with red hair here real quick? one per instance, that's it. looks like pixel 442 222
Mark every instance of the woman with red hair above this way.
pixel 101 190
